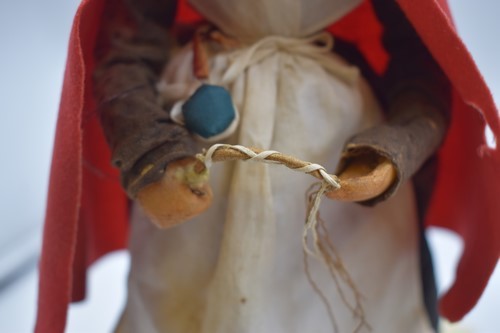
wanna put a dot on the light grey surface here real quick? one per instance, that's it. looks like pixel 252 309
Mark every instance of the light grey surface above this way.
pixel 98 313
pixel 478 25
pixel 33 35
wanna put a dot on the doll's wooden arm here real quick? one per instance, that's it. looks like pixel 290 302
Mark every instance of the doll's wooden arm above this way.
pixel 376 161
pixel 366 177
pixel 182 193
pixel 133 47
pixel 416 95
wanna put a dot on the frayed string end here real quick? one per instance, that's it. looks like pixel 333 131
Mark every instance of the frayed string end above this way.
pixel 323 250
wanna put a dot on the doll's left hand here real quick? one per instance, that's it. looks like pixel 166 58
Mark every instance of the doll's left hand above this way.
pixel 180 195
pixel 364 177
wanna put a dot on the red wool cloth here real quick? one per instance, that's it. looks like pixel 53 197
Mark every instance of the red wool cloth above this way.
pixel 87 212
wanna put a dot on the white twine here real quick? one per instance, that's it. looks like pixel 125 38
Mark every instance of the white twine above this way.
pixel 326 253
pixel 311 225
pixel 317 47
pixel 335 267
pixel 263 157
pixel 311 221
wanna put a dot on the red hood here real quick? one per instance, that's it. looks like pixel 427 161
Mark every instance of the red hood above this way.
pixel 87 211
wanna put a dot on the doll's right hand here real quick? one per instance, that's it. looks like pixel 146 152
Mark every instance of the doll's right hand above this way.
pixel 364 177
pixel 181 194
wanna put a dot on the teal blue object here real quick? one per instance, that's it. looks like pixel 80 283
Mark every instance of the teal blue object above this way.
pixel 209 111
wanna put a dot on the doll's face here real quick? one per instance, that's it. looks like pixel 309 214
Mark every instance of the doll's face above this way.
pixel 254 19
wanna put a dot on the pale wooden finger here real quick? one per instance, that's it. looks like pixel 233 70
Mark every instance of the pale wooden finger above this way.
pixel 359 184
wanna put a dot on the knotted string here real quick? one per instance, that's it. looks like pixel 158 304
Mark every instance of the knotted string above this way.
pixel 317 47
pixel 322 248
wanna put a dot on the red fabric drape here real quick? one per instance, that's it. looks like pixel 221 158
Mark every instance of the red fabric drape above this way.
pixel 87 211
pixel 468 186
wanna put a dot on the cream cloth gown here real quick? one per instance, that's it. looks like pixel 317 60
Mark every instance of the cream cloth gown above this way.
pixel 239 266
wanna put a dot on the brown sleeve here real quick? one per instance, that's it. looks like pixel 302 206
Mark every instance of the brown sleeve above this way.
pixel 131 52
pixel 416 95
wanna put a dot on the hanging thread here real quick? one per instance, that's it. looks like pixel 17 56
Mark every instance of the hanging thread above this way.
pixel 322 248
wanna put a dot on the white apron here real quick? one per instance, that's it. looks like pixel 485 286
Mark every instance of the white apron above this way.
pixel 239 266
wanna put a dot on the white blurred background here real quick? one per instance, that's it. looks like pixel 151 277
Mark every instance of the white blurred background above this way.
pixel 33 39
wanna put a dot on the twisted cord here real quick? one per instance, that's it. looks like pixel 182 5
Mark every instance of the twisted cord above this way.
pixel 222 152
pixel 321 247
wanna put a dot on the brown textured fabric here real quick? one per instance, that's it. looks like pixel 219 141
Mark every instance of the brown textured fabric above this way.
pixel 144 140
pixel 416 94
pixel 130 58
pixel 413 133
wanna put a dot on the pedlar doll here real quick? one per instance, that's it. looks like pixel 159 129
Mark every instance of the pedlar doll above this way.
pixel 381 92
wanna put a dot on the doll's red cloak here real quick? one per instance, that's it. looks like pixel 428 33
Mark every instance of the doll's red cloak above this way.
pixel 87 211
